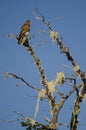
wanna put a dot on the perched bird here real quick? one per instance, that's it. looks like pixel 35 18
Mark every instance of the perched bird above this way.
pixel 23 35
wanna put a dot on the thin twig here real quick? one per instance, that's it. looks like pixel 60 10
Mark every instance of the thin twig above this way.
pixel 40 44
pixel 20 78
pixel 42 18
pixel 14 120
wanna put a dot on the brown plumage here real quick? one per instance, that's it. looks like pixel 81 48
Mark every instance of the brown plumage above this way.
pixel 23 35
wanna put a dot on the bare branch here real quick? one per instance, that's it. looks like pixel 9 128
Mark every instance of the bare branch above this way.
pixel 38 63
pixel 7 74
pixel 40 44
pixel 42 18
pixel 14 120
pixel 73 89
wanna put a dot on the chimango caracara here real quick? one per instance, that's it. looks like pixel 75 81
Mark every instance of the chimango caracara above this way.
pixel 23 35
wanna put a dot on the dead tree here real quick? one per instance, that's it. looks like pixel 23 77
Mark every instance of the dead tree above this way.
pixel 49 90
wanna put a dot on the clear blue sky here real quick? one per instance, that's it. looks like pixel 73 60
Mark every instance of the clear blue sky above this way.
pixel 70 23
